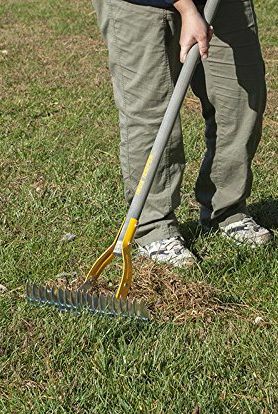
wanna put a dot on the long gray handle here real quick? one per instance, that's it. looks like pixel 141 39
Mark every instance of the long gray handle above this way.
pixel 165 129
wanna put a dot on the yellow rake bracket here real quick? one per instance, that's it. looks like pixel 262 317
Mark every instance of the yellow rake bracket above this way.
pixel 107 257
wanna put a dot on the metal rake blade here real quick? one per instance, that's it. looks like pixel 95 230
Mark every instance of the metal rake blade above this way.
pixel 66 299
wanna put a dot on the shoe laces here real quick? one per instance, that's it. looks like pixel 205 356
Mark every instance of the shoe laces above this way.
pixel 173 243
pixel 250 224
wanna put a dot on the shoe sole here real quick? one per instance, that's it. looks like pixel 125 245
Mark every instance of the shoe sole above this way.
pixel 247 242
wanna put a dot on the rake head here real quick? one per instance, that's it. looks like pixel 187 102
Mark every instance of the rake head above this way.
pixel 67 300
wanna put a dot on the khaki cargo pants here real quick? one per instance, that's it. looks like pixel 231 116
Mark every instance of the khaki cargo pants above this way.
pixel 143 45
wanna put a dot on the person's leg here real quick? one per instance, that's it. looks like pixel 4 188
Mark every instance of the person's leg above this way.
pixel 143 45
pixel 232 90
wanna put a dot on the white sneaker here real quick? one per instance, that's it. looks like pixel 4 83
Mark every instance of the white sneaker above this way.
pixel 170 251
pixel 247 231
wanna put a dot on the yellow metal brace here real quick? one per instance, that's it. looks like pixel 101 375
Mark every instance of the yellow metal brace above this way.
pixel 107 257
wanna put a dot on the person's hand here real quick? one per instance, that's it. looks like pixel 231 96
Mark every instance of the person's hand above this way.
pixel 194 29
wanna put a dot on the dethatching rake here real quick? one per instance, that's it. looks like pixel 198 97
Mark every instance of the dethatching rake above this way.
pixel 118 304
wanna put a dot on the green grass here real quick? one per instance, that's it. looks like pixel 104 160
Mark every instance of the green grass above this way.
pixel 59 173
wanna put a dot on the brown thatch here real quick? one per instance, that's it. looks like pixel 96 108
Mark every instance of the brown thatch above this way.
pixel 165 294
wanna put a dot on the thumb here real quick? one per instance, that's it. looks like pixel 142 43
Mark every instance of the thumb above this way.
pixel 183 53
pixel 203 47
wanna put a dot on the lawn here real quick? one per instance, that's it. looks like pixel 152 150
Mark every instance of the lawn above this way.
pixel 60 174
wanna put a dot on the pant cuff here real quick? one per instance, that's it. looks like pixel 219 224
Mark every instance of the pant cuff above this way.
pixel 157 234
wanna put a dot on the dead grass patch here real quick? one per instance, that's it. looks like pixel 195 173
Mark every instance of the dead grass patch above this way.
pixel 40 55
pixel 167 297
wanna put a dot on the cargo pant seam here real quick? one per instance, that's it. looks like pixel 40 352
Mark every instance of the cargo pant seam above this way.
pixel 219 122
pixel 168 146
pixel 123 87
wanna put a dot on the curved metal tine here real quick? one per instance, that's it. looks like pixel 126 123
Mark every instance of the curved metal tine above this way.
pixel 68 299
pixel 102 304
pixel 116 306
pixel 29 290
pixel 110 305
pixel 131 307
pixel 61 298
pixel 78 299
pixel 53 296
pixel 48 295
pixel 35 293
pixel 120 306
pixel 137 309
pixel 123 307
pixel 90 302
pixel 74 299
pixel 141 311
pixel 55 299
pixel 42 293
pixel 85 299
pixel 144 312
pixel 95 303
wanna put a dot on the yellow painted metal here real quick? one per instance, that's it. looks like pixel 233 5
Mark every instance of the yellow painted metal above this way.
pixel 107 257
pixel 103 260
pixel 126 280
pixel 144 175
pixel 101 263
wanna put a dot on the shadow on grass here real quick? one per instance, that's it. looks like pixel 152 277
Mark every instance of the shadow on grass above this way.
pixel 265 212
pixel 190 231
